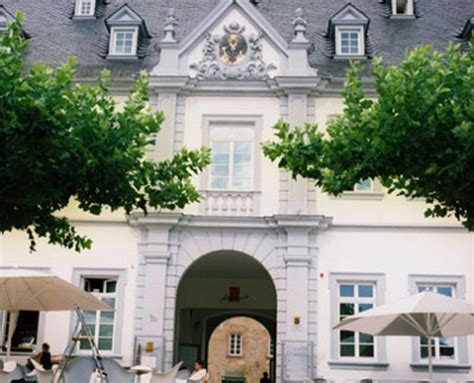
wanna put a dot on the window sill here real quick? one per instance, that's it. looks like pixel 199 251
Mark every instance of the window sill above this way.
pixel 84 17
pixel 441 367
pixel 348 58
pixel 355 365
pixel 359 195
pixel 18 353
pixel 122 58
pixel 402 17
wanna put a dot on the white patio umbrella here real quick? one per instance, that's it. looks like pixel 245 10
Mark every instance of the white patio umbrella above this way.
pixel 25 290
pixel 425 314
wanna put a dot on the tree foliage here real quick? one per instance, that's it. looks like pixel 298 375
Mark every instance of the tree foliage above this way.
pixel 60 141
pixel 417 137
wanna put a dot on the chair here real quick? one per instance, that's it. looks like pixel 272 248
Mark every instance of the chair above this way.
pixel 116 373
pixel 6 372
pixel 79 369
pixel 166 377
pixel 42 375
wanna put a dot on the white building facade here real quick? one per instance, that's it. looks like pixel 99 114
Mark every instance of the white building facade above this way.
pixel 259 244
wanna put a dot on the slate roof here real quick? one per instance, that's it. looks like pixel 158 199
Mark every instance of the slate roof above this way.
pixel 55 35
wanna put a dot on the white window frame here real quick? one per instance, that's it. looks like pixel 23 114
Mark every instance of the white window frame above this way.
pixel 101 295
pixel 251 121
pixel 461 361
pixel 113 41
pixel 78 10
pixel 361 40
pixel 356 300
pixel 436 356
pixel 409 8
pixel 232 349
pixel 379 361
pixel 231 157
pixel 78 275
pixel 271 348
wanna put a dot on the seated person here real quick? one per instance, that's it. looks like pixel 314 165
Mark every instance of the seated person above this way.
pixel 43 358
pixel 265 378
pixel 199 374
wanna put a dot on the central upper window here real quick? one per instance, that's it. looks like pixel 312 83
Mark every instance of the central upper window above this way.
pixel 232 157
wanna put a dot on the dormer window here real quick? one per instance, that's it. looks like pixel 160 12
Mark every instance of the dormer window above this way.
pixel 349 41
pixel 402 8
pixel 128 34
pixel 123 41
pixel 85 8
pixel 348 29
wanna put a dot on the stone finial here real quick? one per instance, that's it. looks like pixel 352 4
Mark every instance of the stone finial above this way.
pixel 299 26
pixel 170 26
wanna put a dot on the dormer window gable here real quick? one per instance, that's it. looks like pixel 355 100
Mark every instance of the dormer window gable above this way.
pixel 348 30
pixel 128 34
pixel 402 8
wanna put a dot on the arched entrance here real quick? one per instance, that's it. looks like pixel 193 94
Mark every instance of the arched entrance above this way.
pixel 240 350
pixel 216 287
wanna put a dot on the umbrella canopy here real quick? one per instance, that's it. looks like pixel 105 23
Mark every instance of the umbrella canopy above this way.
pixel 25 290
pixel 32 291
pixel 425 314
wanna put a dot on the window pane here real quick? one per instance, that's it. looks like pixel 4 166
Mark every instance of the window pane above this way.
pixel 220 170
pixel 366 338
pixel 446 352
pixel 346 309
pixel 346 290
pixel 347 350
pixel 109 302
pixel 366 351
pixel 219 182
pixel 90 316
pixel 107 317
pixel 111 286
pixel 424 352
pixel 366 291
pixel 347 337
pixel 105 344
pixel 365 306
pixel 448 291
pixel 106 331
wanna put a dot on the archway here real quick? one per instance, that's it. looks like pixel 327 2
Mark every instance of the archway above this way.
pixel 240 350
pixel 216 287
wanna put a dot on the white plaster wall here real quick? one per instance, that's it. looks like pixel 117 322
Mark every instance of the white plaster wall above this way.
pixel 114 247
pixel 266 107
pixel 396 254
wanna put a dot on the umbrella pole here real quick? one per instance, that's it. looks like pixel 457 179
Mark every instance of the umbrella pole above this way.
pixel 430 358
pixel 12 322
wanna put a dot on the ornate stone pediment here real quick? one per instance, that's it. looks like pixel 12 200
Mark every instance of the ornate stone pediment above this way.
pixel 233 55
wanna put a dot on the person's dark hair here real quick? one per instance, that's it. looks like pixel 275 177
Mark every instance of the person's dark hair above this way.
pixel 265 374
pixel 45 346
pixel 200 362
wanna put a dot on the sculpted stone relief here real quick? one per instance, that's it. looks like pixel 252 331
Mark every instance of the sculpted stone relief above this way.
pixel 234 56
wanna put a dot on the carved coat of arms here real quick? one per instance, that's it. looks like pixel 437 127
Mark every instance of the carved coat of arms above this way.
pixel 232 56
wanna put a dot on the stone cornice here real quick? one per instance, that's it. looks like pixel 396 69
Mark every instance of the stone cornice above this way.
pixel 181 221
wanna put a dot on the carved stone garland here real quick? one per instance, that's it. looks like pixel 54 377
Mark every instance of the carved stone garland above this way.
pixel 246 64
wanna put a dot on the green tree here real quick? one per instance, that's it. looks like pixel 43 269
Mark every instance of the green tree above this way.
pixel 417 137
pixel 60 141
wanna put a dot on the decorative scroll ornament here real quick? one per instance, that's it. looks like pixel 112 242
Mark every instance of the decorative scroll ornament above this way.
pixel 232 56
